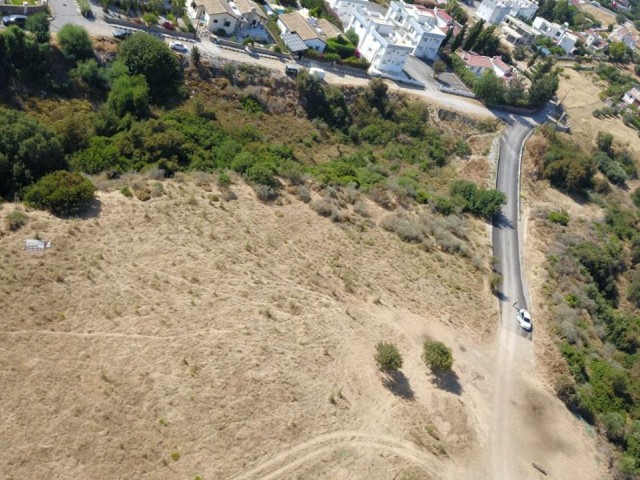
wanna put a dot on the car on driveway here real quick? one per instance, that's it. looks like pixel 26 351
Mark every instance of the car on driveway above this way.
pixel 19 20
pixel 524 319
pixel 122 34
pixel 178 47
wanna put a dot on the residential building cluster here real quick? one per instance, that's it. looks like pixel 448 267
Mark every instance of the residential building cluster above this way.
pixel 388 38
pixel 516 33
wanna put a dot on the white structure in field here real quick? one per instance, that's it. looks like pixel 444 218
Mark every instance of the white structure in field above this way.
pixel 494 11
pixel 387 41
pixel 632 97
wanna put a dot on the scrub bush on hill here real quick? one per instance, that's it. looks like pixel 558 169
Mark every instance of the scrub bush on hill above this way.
pixel 478 201
pixel 388 357
pixel 28 150
pixel 61 192
pixel 437 356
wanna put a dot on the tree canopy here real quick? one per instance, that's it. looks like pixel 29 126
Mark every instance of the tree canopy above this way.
pixel 150 57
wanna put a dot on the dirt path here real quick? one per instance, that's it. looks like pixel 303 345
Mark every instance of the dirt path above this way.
pixel 324 444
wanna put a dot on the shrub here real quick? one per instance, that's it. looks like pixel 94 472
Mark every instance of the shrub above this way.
pixel 407 230
pixel 61 192
pixel 437 356
pixel 262 174
pixel 16 220
pixel 75 42
pixel 265 193
pixel 496 282
pixel 323 207
pixel 388 357
pixel 479 201
pixel 126 191
pixel 224 180
pixel 613 424
pixel 560 217
pixel 635 197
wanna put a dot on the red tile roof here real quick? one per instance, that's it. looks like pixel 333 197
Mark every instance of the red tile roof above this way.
pixel 475 60
pixel 444 16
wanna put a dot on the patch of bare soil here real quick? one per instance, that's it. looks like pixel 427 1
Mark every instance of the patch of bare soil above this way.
pixel 187 335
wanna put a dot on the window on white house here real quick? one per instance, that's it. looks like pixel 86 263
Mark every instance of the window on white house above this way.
pixel 227 23
pixel 215 21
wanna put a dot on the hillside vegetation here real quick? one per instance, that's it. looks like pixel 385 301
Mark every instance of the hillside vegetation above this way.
pixel 592 288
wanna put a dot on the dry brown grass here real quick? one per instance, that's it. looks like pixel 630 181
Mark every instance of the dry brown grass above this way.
pixel 184 336
pixel 580 93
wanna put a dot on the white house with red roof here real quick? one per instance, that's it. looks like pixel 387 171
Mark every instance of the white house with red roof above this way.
pixel 480 64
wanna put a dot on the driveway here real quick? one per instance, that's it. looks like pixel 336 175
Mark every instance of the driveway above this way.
pixel 67 11
pixel 451 80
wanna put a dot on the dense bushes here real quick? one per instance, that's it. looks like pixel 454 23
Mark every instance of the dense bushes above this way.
pixel 28 151
pixel 150 57
pixel 478 201
pixel 61 192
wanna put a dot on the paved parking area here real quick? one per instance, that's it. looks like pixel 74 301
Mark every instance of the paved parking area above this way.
pixel 451 80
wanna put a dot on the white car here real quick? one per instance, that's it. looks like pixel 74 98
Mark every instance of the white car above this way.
pixel 524 319
pixel 178 47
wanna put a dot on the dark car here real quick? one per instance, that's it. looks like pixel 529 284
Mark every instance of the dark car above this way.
pixel 292 69
pixel 19 20
pixel 122 34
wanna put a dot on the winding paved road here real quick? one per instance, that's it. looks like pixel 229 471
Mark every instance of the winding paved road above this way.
pixel 515 359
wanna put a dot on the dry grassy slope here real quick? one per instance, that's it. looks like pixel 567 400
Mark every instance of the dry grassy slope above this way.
pixel 231 335
pixel 579 92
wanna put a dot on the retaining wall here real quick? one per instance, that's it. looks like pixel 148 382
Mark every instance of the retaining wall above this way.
pixel 19 9
pixel 152 29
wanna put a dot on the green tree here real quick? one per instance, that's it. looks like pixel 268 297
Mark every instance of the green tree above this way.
pixel 487 42
pixel 75 42
pixel 101 156
pixel 61 192
pixel 617 51
pixel 149 56
pixel 604 141
pixel 621 19
pixel 129 94
pixel 388 357
pixel 352 36
pixel 178 7
pixel 490 88
pixel 28 150
pixel 38 24
pixel 474 33
pixel 195 56
pixel 438 67
pixel 520 53
pixel 542 90
pixel 446 39
pixel 459 38
pixel 89 72
pixel 437 356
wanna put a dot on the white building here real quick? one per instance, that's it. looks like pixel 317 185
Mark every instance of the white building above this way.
pixel 632 97
pixel 387 41
pixel 479 64
pixel 494 11
pixel 560 34
pixel 294 22
pixel 346 8
pixel 515 32
pixel 215 15
pixel 621 34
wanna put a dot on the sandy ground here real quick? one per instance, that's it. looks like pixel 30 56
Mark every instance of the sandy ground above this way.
pixel 185 336
pixel 176 338
pixel 580 97
pixel 606 17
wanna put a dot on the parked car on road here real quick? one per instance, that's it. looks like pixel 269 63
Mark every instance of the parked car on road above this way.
pixel 122 34
pixel 178 47
pixel 19 20
pixel 524 319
